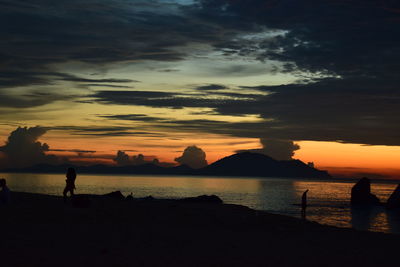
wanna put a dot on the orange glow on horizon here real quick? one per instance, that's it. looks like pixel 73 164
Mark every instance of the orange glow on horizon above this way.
pixel 349 155
pixel 337 158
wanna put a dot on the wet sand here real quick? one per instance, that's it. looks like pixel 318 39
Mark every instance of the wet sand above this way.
pixel 41 230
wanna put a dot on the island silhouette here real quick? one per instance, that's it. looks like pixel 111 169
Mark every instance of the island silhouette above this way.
pixel 246 164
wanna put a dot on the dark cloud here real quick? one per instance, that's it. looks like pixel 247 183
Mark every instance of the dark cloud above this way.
pixel 124 133
pixel 123 159
pixel 211 87
pixel 353 42
pixel 33 99
pixel 108 85
pixel 340 37
pixel 96 32
pixel 138 160
pixel 105 131
pixel 73 78
pixel 22 148
pixel 242 70
pixel 193 156
pixel 169 70
pixel 345 110
pixel 345 53
pixel 342 110
pixel 172 100
pixel 133 117
pixel 74 150
pixel 277 149
pixel 23 77
pixel 180 125
pixel 16 78
pixel 41 96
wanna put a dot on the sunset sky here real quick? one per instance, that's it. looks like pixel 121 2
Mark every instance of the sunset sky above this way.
pixel 317 79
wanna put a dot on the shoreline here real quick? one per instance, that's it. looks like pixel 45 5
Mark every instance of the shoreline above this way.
pixel 155 232
pixel 180 175
pixel 195 176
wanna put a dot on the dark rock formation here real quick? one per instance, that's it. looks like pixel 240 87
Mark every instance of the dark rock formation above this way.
pixel 129 197
pixel 394 199
pixel 203 199
pixel 361 193
pixel 115 195
pixel 148 198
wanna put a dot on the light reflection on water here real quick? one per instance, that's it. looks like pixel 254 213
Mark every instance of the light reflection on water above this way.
pixel 328 200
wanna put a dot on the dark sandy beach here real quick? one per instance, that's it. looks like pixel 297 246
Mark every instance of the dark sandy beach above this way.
pixel 41 230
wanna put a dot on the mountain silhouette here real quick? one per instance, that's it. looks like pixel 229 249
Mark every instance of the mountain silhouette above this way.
pixel 255 164
pixel 241 164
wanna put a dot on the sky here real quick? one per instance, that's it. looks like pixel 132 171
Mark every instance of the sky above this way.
pixel 101 81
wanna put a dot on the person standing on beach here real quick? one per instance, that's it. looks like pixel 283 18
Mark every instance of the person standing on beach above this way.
pixel 70 182
pixel 304 204
pixel 5 192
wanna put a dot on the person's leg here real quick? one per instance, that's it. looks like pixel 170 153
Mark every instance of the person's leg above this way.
pixel 65 193
pixel 303 212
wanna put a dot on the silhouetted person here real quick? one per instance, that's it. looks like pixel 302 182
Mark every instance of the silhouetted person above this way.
pixel 304 204
pixel 5 192
pixel 70 182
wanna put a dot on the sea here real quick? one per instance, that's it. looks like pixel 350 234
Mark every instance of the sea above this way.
pixel 328 200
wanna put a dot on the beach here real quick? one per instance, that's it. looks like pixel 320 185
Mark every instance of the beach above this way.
pixel 42 230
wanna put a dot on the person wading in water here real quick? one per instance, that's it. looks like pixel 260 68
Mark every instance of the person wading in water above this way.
pixel 70 183
pixel 304 204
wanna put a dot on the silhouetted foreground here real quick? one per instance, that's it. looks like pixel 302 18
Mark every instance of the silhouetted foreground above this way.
pixel 361 196
pixel 394 199
pixel 361 193
pixel 242 164
pixel 70 182
pixel 40 230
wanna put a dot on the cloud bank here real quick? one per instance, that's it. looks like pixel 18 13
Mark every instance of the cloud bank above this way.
pixel 344 53
pixel 193 156
pixel 123 159
pixel 277 149
pixel 22 148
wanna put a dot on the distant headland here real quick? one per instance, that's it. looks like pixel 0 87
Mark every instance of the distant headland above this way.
pixel 240 164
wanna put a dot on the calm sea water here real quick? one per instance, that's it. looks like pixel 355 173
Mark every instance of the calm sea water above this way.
pixel 328 199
